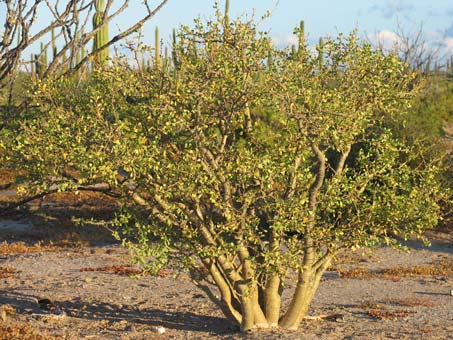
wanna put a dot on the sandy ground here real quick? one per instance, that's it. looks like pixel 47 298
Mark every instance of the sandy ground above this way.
pixel 104 305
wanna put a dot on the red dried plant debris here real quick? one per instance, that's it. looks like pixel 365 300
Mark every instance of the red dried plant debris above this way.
pixel 118 269
pixel 383 314
pixel 124 270
pixel 23 332
pixel 6 272
pixel 443 267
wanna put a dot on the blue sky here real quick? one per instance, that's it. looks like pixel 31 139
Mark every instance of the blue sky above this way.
pixel 322 17
pixel 373 18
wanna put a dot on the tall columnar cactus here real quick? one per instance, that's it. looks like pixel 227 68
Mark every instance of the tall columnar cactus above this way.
pixel 450 67
pixel 321 53
pixel 36 63
pixel 54 44
pixel 428 66
pixel 227 12
pixel 45 61
pixel 165 61
pixel 78 57
pixel 174 54
pixel 301 35
pixel 102 36
pixel 33 66
pixel 157 58
pixel 41 61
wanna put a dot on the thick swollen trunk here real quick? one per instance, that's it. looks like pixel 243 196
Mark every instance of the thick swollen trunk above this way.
pixel 272 300
pixel 252 313
pixel 307 286
pixel 300 303
pixel 226 299
pixel 252 316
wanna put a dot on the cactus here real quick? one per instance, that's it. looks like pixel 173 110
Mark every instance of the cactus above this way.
pixel 227 12
pixel 165 61
pixel 54 44
pixel 428 66
pixel 102 36
pixel 450 67
pixel 64 62
pixel 174 55
pixel 157 61
pixel 38 68
pixel 77 58
pixel 321 53
pixel 41 61
pixel 301 35
pixel 33 66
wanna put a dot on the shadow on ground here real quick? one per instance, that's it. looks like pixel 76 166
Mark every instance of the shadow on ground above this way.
pixel 177 320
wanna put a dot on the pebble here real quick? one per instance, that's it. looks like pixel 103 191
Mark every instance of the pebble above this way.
pixel 160 329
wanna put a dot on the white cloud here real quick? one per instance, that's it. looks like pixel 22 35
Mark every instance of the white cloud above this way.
pixel 282 41
pixel 385 39
pixel 448 43
pixel 292 39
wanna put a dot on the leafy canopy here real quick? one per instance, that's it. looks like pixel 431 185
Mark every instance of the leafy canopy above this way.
pixel 240 161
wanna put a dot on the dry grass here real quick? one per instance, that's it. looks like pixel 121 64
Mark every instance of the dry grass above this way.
pixel 23 248
pixel 22 332
pixel 413 302
pixel 383 314
pixel 388 310
pixel 20 247
pixel 443 267
pixel 356 273
pixel 118 269
pixel 123 270
pixel 6 272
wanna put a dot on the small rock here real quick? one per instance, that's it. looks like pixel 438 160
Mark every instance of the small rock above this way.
pixel 159 329
pixel 88 279
pixel 451 292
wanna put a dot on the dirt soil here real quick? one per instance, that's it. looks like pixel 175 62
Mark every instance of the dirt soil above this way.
pixel 92 297
pixel 81 288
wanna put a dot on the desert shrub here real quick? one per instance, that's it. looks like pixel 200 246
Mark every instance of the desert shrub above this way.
pixel 243 168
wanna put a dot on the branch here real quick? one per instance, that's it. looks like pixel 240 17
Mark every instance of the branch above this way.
pixel 121 35
pixel 317 184
pixel 342 160
pixel 293 181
